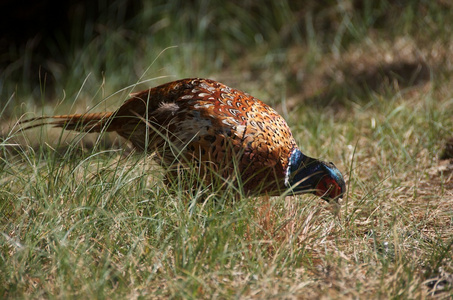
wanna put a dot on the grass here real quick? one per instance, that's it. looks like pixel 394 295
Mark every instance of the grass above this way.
pixel 365 86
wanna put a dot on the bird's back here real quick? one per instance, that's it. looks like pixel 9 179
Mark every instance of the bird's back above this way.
pixel 206 121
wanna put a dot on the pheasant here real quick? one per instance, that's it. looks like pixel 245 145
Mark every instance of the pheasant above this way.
pixel 210 128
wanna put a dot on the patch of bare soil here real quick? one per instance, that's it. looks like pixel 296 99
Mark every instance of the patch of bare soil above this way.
pixel 377 66
pixel 447 152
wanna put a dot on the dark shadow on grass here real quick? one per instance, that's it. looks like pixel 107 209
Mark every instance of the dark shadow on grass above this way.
pixel 447 151
pixel 356 85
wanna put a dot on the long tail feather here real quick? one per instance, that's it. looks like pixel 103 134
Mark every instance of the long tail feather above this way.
pixel 94 122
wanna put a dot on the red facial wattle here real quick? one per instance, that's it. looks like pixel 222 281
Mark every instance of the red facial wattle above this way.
pixel 328 188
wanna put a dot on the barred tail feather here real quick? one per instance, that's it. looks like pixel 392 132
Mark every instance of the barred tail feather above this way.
pixel 93 122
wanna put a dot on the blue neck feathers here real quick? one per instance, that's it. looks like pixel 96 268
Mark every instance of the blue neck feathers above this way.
pixel 305 173
pixel 299 174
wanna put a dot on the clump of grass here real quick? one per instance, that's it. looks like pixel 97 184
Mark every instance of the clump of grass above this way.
pixel 100 223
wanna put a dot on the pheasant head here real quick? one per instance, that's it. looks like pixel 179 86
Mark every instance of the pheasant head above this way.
pixel 308 175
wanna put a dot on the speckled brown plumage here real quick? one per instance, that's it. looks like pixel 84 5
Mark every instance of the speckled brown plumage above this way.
pixel 217 128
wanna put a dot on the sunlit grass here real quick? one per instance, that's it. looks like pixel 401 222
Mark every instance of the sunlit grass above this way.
pixel 100 223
